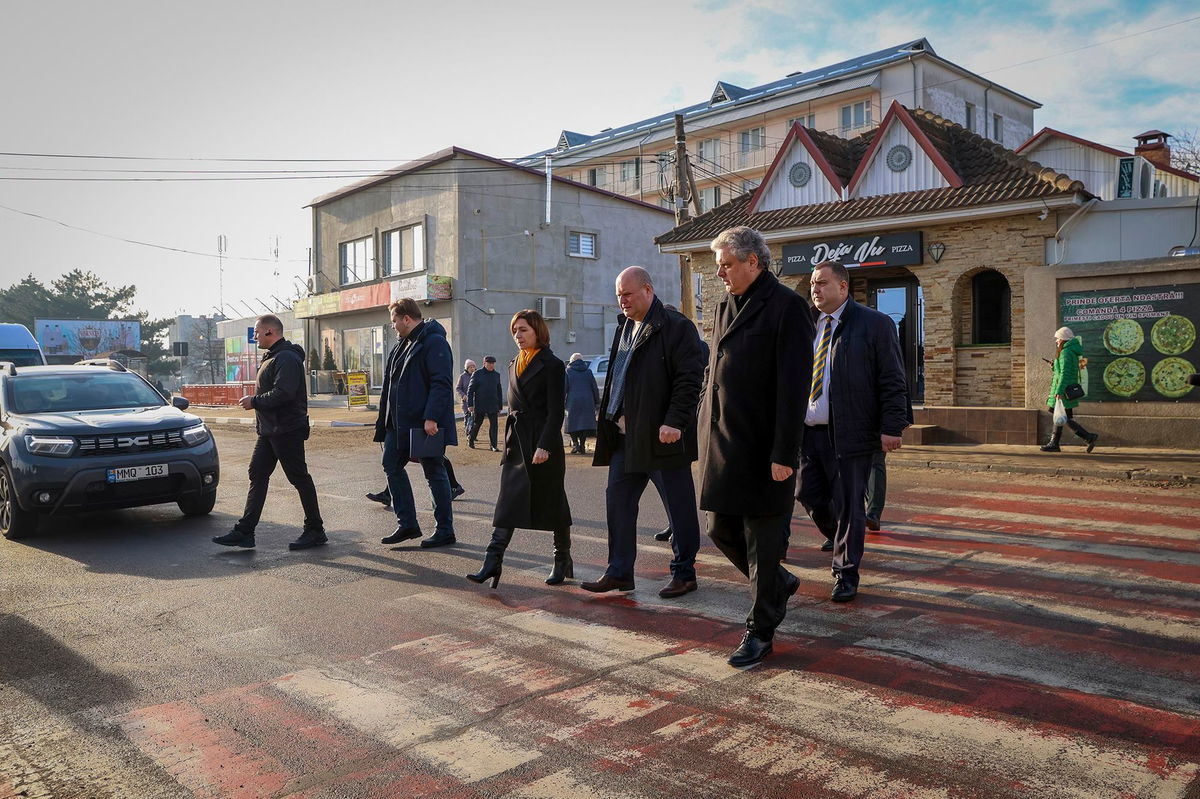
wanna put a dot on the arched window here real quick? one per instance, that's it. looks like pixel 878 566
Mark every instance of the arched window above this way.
pixel 992 308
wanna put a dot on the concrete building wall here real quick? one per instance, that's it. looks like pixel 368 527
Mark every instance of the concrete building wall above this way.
pixel 1122 230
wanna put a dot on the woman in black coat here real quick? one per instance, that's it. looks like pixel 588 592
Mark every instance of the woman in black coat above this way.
pixel 533 467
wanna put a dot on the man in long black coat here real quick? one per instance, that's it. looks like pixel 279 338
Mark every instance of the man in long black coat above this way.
pixel 648 428
pixel 486 398
pixel 857 406
pixel 750 427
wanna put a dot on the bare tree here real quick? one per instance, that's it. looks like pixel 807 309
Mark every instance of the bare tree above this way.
pixel 1185 150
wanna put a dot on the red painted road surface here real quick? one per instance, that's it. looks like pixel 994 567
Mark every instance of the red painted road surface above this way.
pixel 1009 640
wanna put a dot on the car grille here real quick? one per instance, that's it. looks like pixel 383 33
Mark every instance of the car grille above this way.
pixel 124 443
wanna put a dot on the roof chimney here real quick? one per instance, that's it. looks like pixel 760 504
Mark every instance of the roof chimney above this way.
pixel 1152 145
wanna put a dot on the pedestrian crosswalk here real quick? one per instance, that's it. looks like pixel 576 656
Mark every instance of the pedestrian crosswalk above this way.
pixel 1025 641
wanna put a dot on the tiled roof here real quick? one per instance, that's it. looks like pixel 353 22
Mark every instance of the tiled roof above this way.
pixel 990 175
pixel 1050 133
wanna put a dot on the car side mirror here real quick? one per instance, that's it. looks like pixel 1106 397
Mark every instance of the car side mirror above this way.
pixel 180 402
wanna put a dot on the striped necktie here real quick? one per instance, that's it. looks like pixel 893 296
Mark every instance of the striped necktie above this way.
pixel 821 361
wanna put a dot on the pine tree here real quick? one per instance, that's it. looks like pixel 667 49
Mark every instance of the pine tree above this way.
pixel 328 363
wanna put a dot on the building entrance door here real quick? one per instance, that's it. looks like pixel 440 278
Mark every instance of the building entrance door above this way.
pixel 904 303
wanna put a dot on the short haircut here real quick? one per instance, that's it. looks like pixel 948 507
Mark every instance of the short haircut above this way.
pixel 744 242
pixel 405 307
pixel 271 322
pixel 836 269
pixel 534 320
pixel 639 274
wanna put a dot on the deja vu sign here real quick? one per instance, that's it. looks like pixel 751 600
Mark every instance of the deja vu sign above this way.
pixel 895 249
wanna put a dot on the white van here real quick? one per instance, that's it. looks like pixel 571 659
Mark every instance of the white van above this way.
pixel 18 346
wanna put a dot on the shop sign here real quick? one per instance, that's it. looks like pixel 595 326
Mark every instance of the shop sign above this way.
pixel 363 297
pixel 423 287
pixel 893 249
pixel 1140 344
pixel 356 389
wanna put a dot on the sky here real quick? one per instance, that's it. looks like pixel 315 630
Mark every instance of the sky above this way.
pixel 226 118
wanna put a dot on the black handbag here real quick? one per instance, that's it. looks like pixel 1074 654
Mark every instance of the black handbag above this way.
pixel 1073 391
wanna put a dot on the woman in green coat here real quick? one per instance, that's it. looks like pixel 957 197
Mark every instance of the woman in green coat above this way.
pixel 1066 373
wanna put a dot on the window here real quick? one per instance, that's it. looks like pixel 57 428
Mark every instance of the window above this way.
pixel 857 115
pixel 581 245
pixel 997 128
pixel 631 171
pixel 970 123
pixel 805 121
pixel 595 176
pixel 357 259
pixel 404 250
pixel 710 198
pixel 709 151
pixel 753 139
pixel 749 185
pixel 992 302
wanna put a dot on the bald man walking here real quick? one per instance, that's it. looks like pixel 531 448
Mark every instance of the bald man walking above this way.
pixel 647 427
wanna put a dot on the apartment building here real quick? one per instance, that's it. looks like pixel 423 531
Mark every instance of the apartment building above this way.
pixel 734 134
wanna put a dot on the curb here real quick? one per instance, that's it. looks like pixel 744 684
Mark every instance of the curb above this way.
pixel 1133 475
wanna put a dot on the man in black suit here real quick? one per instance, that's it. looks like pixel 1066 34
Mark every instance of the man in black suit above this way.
pixel 857 406
pixel 749 429
pixel 486 398
pixel 647 431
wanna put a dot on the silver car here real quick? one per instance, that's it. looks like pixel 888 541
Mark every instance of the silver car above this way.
pixel 599 366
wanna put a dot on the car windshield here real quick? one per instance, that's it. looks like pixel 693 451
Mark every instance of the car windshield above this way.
pixel 21 357
pixel 86 391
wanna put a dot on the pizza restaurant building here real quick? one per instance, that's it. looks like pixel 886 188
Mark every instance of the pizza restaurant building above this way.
pixel 940 229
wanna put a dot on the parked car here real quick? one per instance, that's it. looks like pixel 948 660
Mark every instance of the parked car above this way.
pixel 95 436
pixel 18 346
pixel 599 366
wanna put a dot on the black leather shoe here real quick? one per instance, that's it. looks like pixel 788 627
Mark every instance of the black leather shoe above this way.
pixel 872 524
pixel 1051 448
pixel 471 444
pixel 607 583
pixel 309 539
pixel 827 545
pixel 790 587
pixel 1091 440
pixel 235 538
pixel 495 449
pixel 383 497
pixel 751 651
pixel 402 534
pixel 844 590
pixel 456 492
pixel 663 535
pixel 677 588
pixel 437 540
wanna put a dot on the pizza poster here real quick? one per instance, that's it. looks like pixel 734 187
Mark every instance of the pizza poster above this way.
pixel 1140 343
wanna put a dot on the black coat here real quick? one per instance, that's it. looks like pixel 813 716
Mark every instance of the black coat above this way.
pixel 752 408
pixel 582 398
pixel 280 399
pixel 662 387
pixel 532 497
pixel 868 390
pixel 483 392
pixel 418 384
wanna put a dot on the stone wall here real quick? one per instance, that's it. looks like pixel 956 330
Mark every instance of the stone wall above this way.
pixel 983 376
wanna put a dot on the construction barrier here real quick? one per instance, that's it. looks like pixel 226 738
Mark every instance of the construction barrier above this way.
pixel 219 394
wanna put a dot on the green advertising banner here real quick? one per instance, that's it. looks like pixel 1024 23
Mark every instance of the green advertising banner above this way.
pixel 1140 344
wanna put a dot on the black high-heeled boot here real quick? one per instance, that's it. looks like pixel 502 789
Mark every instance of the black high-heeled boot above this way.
pixel 563 565
pixel 493 557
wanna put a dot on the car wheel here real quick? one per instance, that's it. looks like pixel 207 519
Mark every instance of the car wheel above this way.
pixel 14 521
pixel 199 506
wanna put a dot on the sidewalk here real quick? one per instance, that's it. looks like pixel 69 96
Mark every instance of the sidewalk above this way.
pixel 1117 463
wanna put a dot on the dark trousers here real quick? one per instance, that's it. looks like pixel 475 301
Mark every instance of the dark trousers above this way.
pixel 833 492
pixel 468 420
pixel 754 544
pixel 622 496
pixel 288 451
pixel 395 458
pixel 1056 436
pixel 477 425
pixel 877 486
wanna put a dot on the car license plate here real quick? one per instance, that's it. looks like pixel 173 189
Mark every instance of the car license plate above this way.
pixel 125 474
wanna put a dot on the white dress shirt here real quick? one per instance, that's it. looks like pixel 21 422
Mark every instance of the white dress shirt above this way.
pixel 818 411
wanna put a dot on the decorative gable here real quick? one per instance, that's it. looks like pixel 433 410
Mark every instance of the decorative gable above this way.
pixel 901 159
pixel 570 138
pixel 799 175
pixel 724 92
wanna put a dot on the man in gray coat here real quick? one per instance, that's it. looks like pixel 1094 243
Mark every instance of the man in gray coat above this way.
pixel 761 361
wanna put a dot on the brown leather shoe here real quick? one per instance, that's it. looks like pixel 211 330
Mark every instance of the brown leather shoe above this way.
pixel 676 588
pixel 607 583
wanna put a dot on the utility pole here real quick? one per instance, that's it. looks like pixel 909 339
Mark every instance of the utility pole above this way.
pixel 684 184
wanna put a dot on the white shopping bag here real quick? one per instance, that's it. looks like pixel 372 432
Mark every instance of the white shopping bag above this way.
pixel 1060 413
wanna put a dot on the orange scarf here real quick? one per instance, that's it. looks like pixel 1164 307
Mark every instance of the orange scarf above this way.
pixel 523 359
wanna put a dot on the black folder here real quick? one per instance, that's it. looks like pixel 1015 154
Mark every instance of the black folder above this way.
pixel 423 446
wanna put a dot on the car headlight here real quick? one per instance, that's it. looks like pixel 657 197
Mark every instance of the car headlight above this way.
pixel 50 445
pixel 196 434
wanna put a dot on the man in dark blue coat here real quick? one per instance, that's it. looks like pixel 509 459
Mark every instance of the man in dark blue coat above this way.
pixel 857 406
pixel 486 398
pixel 418 394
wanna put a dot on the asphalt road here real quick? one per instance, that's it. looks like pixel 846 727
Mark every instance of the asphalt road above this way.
pixel 1012 637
